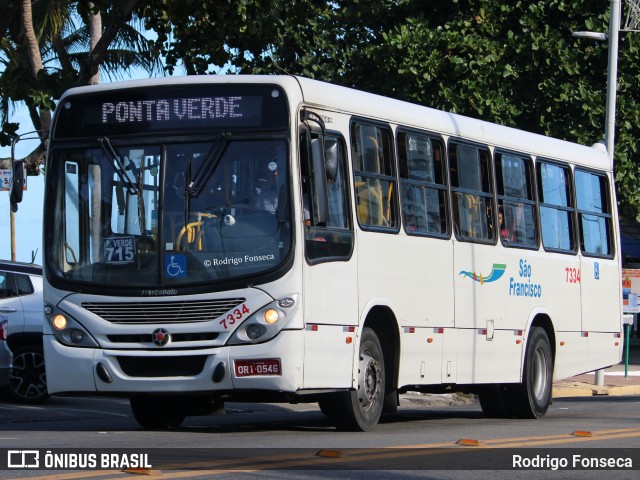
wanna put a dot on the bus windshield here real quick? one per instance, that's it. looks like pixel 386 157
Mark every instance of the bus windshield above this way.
pixel 166 214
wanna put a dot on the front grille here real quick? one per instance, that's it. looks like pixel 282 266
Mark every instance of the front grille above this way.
pixel 175 337
pixel 162 366
pixel 163 312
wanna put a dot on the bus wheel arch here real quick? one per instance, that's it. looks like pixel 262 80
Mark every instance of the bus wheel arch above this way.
pixel 531 397
pixel 377 370
pixel 383 322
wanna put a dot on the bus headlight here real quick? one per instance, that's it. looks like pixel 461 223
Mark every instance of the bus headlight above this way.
pixel 69 332
pixel 265 323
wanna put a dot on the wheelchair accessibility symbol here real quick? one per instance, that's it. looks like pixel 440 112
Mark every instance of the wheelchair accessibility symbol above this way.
pixel 175 266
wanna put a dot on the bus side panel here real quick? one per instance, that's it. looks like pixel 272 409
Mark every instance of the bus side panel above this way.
pixel 600 283
pixel 421 360
pixel 559 295
pixel 484 360
pixel 413 274
pixel 604 349
pixel 328 356
pixel 571 355
pixel 488 316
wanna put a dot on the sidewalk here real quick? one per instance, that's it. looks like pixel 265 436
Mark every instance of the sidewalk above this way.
pixel 615 382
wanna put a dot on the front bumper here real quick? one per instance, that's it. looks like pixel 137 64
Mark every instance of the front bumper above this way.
pixel 71 369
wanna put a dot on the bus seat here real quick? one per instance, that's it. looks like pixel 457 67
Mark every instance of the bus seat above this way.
pixel 370 207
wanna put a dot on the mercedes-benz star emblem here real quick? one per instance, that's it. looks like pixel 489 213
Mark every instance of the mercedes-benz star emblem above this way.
pixel 160 337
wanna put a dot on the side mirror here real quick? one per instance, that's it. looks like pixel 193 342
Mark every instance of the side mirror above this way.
pixel 319 179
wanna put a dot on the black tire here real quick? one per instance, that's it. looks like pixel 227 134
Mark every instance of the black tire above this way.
pixel 28 381
pixel 494 400
pixel 531 398
pixel 328 406
pixel 360 410
pixel 158 413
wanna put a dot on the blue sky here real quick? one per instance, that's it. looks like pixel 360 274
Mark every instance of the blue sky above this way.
pixel 28 219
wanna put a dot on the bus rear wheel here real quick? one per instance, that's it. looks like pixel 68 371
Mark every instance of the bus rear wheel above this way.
pixel 159 413
pixel 360 410
pixel 531 398
pixel 494 401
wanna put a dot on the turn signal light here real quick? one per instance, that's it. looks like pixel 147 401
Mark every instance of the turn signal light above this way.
pixel 271 316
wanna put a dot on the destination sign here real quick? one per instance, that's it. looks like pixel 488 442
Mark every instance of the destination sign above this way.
pixel 246 110
pixel 174 108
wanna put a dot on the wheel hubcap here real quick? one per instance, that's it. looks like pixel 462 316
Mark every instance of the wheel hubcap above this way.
pixel 539 373
pixel 28 379
pixel 368 381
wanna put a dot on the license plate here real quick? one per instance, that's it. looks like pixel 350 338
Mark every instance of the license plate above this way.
pixel 249 368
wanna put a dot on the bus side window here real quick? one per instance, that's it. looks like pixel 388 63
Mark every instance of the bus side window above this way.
pixel 422 186
pixel 516 203
pixel 556 207
pixel 374 176
pixel 472 192
pixel 594 213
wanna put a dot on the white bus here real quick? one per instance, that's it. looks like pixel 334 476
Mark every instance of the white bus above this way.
pixel 275 238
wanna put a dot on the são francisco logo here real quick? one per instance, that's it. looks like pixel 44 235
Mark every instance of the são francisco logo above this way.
pixel 496 272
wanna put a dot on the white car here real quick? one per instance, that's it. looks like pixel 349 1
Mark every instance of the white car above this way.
pixel 21 302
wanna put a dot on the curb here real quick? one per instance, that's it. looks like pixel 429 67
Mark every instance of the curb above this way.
pixel 581 389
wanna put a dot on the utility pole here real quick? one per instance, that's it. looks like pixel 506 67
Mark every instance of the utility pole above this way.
pixel 612 77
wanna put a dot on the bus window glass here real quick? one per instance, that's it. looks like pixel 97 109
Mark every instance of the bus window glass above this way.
pixel 516 205
pixel 422 187
pixel 471 190
pixel 234 221
pixel 372 149
pixel 593 213
pixel 71 213
pixel 556 212
pixel 332 240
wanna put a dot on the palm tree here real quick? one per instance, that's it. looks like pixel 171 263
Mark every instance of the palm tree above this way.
pixel 47 47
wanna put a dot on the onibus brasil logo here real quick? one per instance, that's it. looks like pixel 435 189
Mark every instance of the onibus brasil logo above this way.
pixel 496 272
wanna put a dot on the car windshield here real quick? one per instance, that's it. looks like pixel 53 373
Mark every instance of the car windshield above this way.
pixel 168 214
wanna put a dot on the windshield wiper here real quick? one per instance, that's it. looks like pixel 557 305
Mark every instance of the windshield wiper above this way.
pixel 208 166
pixel 119 166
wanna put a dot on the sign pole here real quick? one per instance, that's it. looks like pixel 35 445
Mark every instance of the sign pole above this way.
pixel 12 222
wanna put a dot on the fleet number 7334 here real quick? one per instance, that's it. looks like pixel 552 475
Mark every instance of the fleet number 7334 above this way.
pixel 573 275
pixel 234 316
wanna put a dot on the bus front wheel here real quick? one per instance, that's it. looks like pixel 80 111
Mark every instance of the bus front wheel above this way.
pixel 157 412
pixel 360 410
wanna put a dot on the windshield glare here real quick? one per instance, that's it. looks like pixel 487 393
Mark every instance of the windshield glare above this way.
pixel 167 214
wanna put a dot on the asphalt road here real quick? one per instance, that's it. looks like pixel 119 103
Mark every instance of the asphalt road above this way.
pixel 432 437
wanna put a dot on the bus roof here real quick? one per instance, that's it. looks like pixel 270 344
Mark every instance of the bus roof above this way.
pixel 411 115
pixel 359 103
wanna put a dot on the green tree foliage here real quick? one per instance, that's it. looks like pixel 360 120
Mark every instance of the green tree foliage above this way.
pixel 513 63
